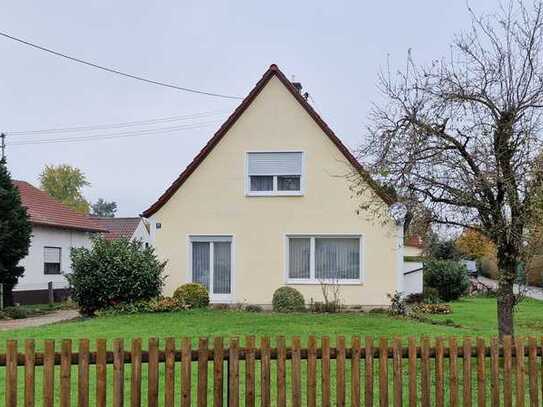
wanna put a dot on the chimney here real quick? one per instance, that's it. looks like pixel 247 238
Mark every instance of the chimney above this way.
pixel 298 86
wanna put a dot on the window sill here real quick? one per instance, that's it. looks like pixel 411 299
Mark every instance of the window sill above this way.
pixel 319 282
pixel 276 193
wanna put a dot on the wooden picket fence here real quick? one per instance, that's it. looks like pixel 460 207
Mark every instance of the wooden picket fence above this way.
pixel 506 374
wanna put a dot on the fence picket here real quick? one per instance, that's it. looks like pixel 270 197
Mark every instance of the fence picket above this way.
pixel 532 369
pixel 65 373
pixel 186 362
pixel 312 372
pixel 368 369
pixel 118 372
pixel 281 372
pixel 467 399
pixel 49 373
pixel 355 371
pixel 340 371
pixel 169 372
pixel 101 370
pixel 519 362
pixel 203 355
pixel 11 373
pixel 30 373
pixel 439 369
pixel 383 372
pixel 83 374
pixel 425 372
pixel 218 373
pixel 152 373
pixel 495 372
pixel 296 379
pixel 507 375
pixel 249 371
pixel 135 368
pixel 481 390
pixel 397 371
pixel 233 364
pixel 412 370
pixel 453 372
pixel 325 371
pixel 265 378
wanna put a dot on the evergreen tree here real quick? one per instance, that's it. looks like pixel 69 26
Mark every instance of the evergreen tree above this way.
pixel 15 233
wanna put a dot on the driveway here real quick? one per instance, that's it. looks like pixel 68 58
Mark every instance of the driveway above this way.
pixel 58 316
pixel 533 292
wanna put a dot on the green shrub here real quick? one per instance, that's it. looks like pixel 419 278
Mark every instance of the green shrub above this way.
pixel 430 295
pixel 16 313
pixel 162 304
pixel 397 304
pixel 193 295
pixel 114 272
pixel 449 278
pixel 253 308
pixel 288 299
pixel 432 309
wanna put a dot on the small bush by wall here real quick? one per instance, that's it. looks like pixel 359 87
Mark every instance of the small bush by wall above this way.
pixel 288 299
pixel 192 294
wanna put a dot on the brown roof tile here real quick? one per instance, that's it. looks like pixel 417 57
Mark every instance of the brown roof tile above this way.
pixel 45 210
pixel 117 227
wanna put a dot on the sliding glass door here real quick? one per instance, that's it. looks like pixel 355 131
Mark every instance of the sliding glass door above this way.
pixel 211 264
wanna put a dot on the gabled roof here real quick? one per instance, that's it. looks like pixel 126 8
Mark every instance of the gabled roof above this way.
pixel 117 227
pixel 268 75
pixel 44 210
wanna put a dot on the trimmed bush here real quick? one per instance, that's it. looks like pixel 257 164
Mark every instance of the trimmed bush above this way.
pixel 288 299
pixel 193 295
pixel 114 272
pixel 449 278
pixel 253 308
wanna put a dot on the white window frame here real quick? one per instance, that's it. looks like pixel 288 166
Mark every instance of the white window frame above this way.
pixel 213 298
pixel 312 280
pixel 275 192
pixel 59 261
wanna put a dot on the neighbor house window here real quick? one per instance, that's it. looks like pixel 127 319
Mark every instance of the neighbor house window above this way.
pixel 51 260
pixel 275 173
pixel 314 259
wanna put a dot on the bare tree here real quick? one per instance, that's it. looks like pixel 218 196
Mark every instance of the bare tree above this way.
pixel 462 135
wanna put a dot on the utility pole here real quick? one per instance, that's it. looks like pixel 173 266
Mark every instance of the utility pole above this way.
pixel 3 146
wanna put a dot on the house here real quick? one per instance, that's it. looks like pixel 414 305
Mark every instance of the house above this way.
pixel 56 229
pixel 267 203
pixel 134 228
pixel 413 266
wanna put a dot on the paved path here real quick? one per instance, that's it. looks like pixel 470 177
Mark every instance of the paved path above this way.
pixel 57 316
pixel 532 292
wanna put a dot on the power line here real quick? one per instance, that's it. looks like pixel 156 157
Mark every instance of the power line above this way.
pixel 82 129
pixel 115 71
pixel 97 137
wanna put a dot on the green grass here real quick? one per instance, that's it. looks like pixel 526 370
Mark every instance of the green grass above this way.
pixel 477 317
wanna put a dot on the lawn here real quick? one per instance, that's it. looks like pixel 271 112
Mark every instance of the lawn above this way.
pixel 476 316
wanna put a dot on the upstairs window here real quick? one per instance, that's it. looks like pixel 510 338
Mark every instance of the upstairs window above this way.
pixel 51 260
pixel 275 173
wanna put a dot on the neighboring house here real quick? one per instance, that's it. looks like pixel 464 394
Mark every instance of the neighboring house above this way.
pixel 267 203
pixel 56 229
pixel 134 228
pixel 413 266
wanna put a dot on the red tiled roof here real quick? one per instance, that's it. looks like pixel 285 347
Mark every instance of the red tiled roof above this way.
pixel 414 241
pixel 45 210
pixel 117 227
pixel 268 75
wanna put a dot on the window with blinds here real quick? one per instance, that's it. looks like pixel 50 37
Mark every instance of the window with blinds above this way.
pixel 51 260
pixel 316 259
pixel 275 173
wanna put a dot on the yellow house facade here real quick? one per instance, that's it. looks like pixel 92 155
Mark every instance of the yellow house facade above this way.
pixel 267 203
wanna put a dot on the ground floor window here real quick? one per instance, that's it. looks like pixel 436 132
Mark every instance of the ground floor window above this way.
pixel 211 263
pixel 51 260
pixel 312 259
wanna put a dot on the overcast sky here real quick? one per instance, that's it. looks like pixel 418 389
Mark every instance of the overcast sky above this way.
pixel 334 48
